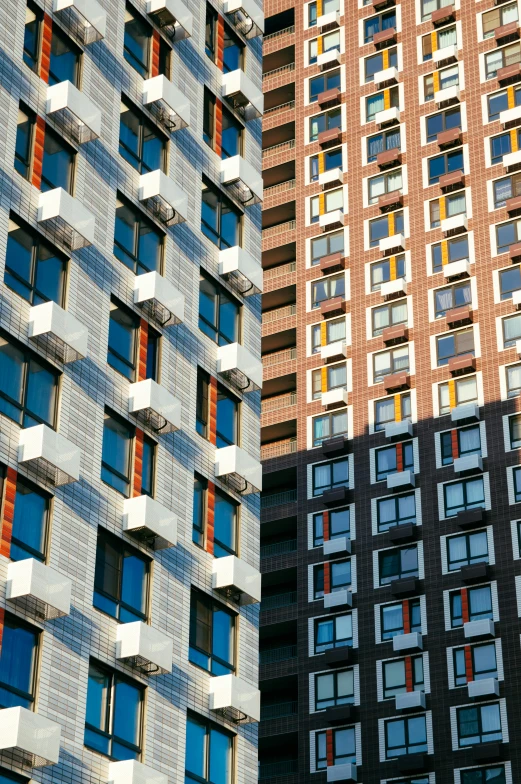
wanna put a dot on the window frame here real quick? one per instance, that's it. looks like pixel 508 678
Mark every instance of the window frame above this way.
pixel 465 506
pixel 212 606
pixel 123 549
pixel 37 242
pixel 109 414
pixel 20 697
pixel 483 736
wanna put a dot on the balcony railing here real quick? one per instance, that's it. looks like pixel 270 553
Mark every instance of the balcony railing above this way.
pixel 275 499
pixel 278 548
pixel 278 313
pixel 281 187
pixel 279 448
pixel 287 145
pixel 270 770
pixel 279 228
pixel 285 599
pixel 276 357
pixel 278 710
pixel 274 655
pixel 281 107
pixel 282 271
pixel 279 33
pixel 282 69
pixel 276 403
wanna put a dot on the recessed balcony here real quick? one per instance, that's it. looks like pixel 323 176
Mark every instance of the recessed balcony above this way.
pixel 246 16
pixel 144 648
pixel 237 265
pixel 242 94
pixel 234 698
pixel 49 455
pixel 166 201
pixel 168 104
pixel 149 521
pixel 159 299
pixel 73 112
pixel 240 367
pixel 57 332
pixel 154 406
pixel 241 180
pixel 236 579
pixel 67 218
pixel 33 586
pixel 236 467
pixel 172 16
pixel 408 642
pixel 29 738
pixel 132 772
pixel 87 18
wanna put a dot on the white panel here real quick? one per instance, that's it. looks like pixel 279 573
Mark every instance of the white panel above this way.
pixel 518 594
pixel 310 583
pixel 312 752
pixel 510 485
pixel 352 510
pixel 443 546
pixel 446 610
pixel 490 543
pixel 421 570
pixel 499 660
pixel 504 720
pixel 356 673
pixel 453 728
pixel 377 624
pixel 353 574
pixel 379 681
pixel 358 742
pixel 495 605
pixel 486 488
pixel 418 497
pixel 450 668
pixel 311 642
pixel 312 692
pixel 381 739
pixel 441 504
pixel 310 532
pixel 437 449
pixel 423 615
pixel 309 479
pixel 374 517
pixel 354 615
pixel 376 579
pixel 515 540
pixel 426 673
pixel 506 432
pixel 416 455
pixel 483 438
pixel 430 738
pixel 351 463
pixel 372 466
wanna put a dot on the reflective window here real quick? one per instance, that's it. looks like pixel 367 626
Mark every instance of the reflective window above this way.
pixel 394 360
pixel 389 315
pixel 137 243
pixel 34 269
pixel 58 163
pixel 136 46
pixel 405 736
pixel 339 577
pixel 386 410
pixel 219 314
pixel 331 159
pixel 335 332
pixel 480 724
pixel 501 58
pixel 233 53
pixel 379 101
pixel 385 226
pixel 30 521
pixel 220 221
pixel 483 663
pixel 338 525
pixel 334 688
pixel 462 495
pixel 444 164
pixel 329 425
pixel 28 387
pixel 324 122
pixel 116 453
pixel 467 549
pixel 478 606
pixel 18 663
pixel 514 426
pixel 343 747
pixel 212 635
pixel 390 459
pixel 396 510
pixel 32 35
pixel 65 59
pixel 456 249
pixel 199 510
pixel 375 63
pixel 465 391
pixel 209 753
pixel 225 526
pixel 121 579
pixel 202 405
pixel 495 775
pixel 123 338
pixel 382 142
pixel 386 270
pixel 397 563
pixel 454 345
pixel 497 17
pixel 148 464
pixel 24 141
pixel 327 288
pixel 322 83
pixel 376 24
pixel 329 475
pixel 335 632
pixel 210 32
pixel 227 419
pixel 393 622
pixel 395 672
pixel 231 135
pixel 442 121
pixel 139 141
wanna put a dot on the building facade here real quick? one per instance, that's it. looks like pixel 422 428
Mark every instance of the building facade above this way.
pixel 389 628
pixel 130 230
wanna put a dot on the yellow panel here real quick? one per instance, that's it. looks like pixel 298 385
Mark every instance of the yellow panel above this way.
pixel 511 98
pixel 387 99
pixel 323 334
pixel 397 408
pixel 452 393
pixel 321 166
pixel 391 224
pixel 436 81
pixel 322 203
pixel 434 41
pixel 443 210
pixel 324 379
pixel 385 59
pixel 320 45
pixel 513 139
pixel 444 253
pixel 392 267
pixel 319 7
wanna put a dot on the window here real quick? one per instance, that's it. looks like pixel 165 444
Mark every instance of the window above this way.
pixel 199 510
pixel 479 603
pixel 335 332
pixel 136 47
pixel 220 221
pixel 233 54
pixel 329 42
pixel 386 460
pixel 385 226
pixel 334 688
pixel 467 549
pixel 320 84
pixel 428 6
pixel 386 270
pixel 344 747
pixel 376 24
pixel 513 373
pixel 65 59
pixel 329 475
pixel 375 63
pixel 32 267
pixel 326 246
pixel 339 525
pixel 202 409
pixel 339 575
pixel 121 579
pixel 392 618
pixel 385 410
pixel 450 297
pixel 501 58
pixel 516 476
pixel 6 777
pixel 480 724
pixel 456 249
pixel 382 142
pixel 148 467
pixel 58 163
pixel 446 77
pixel 114 718
pixel 209 118
pixel 328 202
pixel 483 662
pixel 139 142
pixel 28 387
pixel 514 428
pixel 384 183
pixel 439 39
pixel 327 288
pixel 397 563
pixel 389 315
pixel 324 122
pixel 379 101
pixel 30 522
pixel 494 775
pixel 501 145
pixel 209 752
pixel 329 425
pixel 506 188
pixel 227 419
pixel 336 632
pixel 462 495
pixel 219 314
pixel 116 453
pixel 454 345
pixel 499 102
pixel 18 663
pixel 455 204
pixel 445 164
pixel 396 510
pixel 137 243
pixel 511 330
pixel 312 14
pixel 210 32
pixel 225 526
pixel 32 35
pixel 123 338
pixel 465 391
pixel 331 159
pixel 468 441
pixel 442 121
pixel 395 360
pixel 24 141
pixel 335 376
pixel 212 635
pixel 497 17
pixel 394 675
pixel 231 135
pixel 405 736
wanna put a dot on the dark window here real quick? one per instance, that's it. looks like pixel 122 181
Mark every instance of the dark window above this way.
pixel 507 234
pixel 386 270
pixel 65 59
pixel 199 510
pixel 378 102
pixel 116 453
pixel 457 249
pixel 324 122
pixel 382 142
pixel 397 563
pixel 231 136
pixel 312 14
pixel 374 63
pixel 220 221
pixel 28 387
pixel 219 314
pixel 329 425
pixel 225 526
pixel 153 347
pixel 392 618
pixel 210 32
pixel 136 47
pixel 466 549
pixel 327 288
pixel 454 345
pixel 385 410
pixel 148 467
pixel 334 688
pixel 329 475
pixel 113 722
pixel 123 338
pixel 11 778
pixel 375 24
pixel 340 577
pixel 498 102
pixel 386 460
pixel 465 494
pixel 24 141
pixel 344 747
pixel 32 267
pixel 58 163
pixel 202 410
pixel 405 736
pixel 209 753
pixel 514 426
pixel 509 281
pixel 18 663
pixel 444 164
pixel 443 121
pixel 516 475
pixel 339 525
pixel 479 602
pixel 212 635
pixel 386 226
pixel 209 118
pixel 336 632
pixel 322 83
pixel 483 661
pixel 233 54
pixel 468 442
pixel 499 146
pixel 227 419
pixel 451 297
pixel 31 517
pixel 137 243
pixel 394 675
pixel 139 142
pixel 121 579
pixel 331 159
pixel 494 775
pixel 396 510
pixel 32 35
pixel 481 724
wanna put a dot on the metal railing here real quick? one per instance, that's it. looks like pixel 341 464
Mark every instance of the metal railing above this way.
pixel 278 272
pixel 277 600
pixel 278 449
pixel 287 145
pixel 282 69
pixel 278 710
pixel 274 655
pixel 281 187
pixel 279 33
pixel 275 499
pixel 278 402
pixel 269 770
pixel 278 313
pixel 276 357
pixel 280 107
pixel 279 228
pixel 278 548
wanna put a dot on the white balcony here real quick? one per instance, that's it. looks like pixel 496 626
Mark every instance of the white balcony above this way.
pixel 331 176
pixel 132 772
pixel 454 224
pixel 447 95
pixel 478 629
pixel 242 94
pixel 73 112
pixel 445 55
pixel 512 160
pixel 394 242
pixel 146 519
pixel 400 479
pixel 468 463
pixel 239 366
pixel 345 772
pixel 399 429
pixel 49 455
pixel 145 648
pixel 338 546
pixel 242 180
pixel 246 16
pixel 331 218
pixel 408 642
pixel 386 76
pixel 342 598
pixel 393 288
pixel 236 579
pixel 332 18
pixel 237 264
pixel 234 698
pixel 518 347
pixel 333 350
pixel 410 700
pixel 456 269
pixel 335 397
pixel 33 585
pixel 488 687
pixel 86 16
pixel 154 406
pixel 57 332
pixel 71 222
pixel 167 103
pixel 516 299
pixel 329 58
pixel 387 116
pixel 466 411
pixel 163 197
pixel 172 16
pixel 160 301
pixel 510 116
pixel 239 469
pixel 30 736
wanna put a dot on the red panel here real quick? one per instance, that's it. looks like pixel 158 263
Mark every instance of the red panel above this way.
pixel 399 457
pixel 213 410
pixel 454 439
pixel 39 138
pixel 220 42
pixel 210 517
pixel 464 605
pixel 218 126
pixel 327 578
pixel 8 513
pixel 138 461
pixel 45 60
pixel 155 54
pixel 409 685
pixel 329 748
pixel 468 663
pixel 325 524
pixel 143 344
pixel 406 617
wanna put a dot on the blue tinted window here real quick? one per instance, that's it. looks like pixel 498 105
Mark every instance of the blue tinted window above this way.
pixel 17 663
pixel 208 753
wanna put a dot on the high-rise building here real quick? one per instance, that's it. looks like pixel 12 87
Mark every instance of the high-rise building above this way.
pixel 130 231
pixel 390 426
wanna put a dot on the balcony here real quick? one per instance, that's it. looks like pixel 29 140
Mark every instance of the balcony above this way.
pixel 328 96
pixel 456 269
pixel 154 406
pixel 238 265
pixel 393 288
pixel 397 430
pixel 165 200
pixel 449 138
pixel 390 200
pixel 278 600
pixel 458 316
pixel 452 181
pixel 396 381
pixel 389 158
pixel 35 587
pixel 328 20
pixel 277 277
pixel 331 177
pixel 333 351
pixel 506 32
pixel 242 94
pixel 57 332
pixel 274 364
pixel 468 463
pixel 385 77
pixel 338 599
pixel 333 218
pixel 510 117
pixel 279 710
pixel 73 113
pixel 246 16
pixel 168 104
pixel 463 363
pixel 271 770
pixel 473 629
pixel 147 520
pixel 240 367
pixel 454 225
pixel 278 548
pixel 234 698
pixel 488 687
pixel 329 136
pixel 443 14
pixel 447 96
pixel 513 205
pixel 339 546
pixel 132 772
pixel 401 480
pixel 328 59
pixel 394 242
pixel 465 412
pixel 237 468
pixel 398 333
pixel 446 55
pixel 335 397
pixel 237 580
pixel 277 314
pixel 87 18
pixel 407 642
pixel 345 772
pixel 29 736
pixel 49 455
pixel 241 180
pixel 278 402
pixel 287 446
pixel 278 499
pixel 65 216
pixel 384 38
pixel 146 649
pixel 172 16
pixel 276 655
pixel 160 301
pixel 510 73
pixel 330 306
